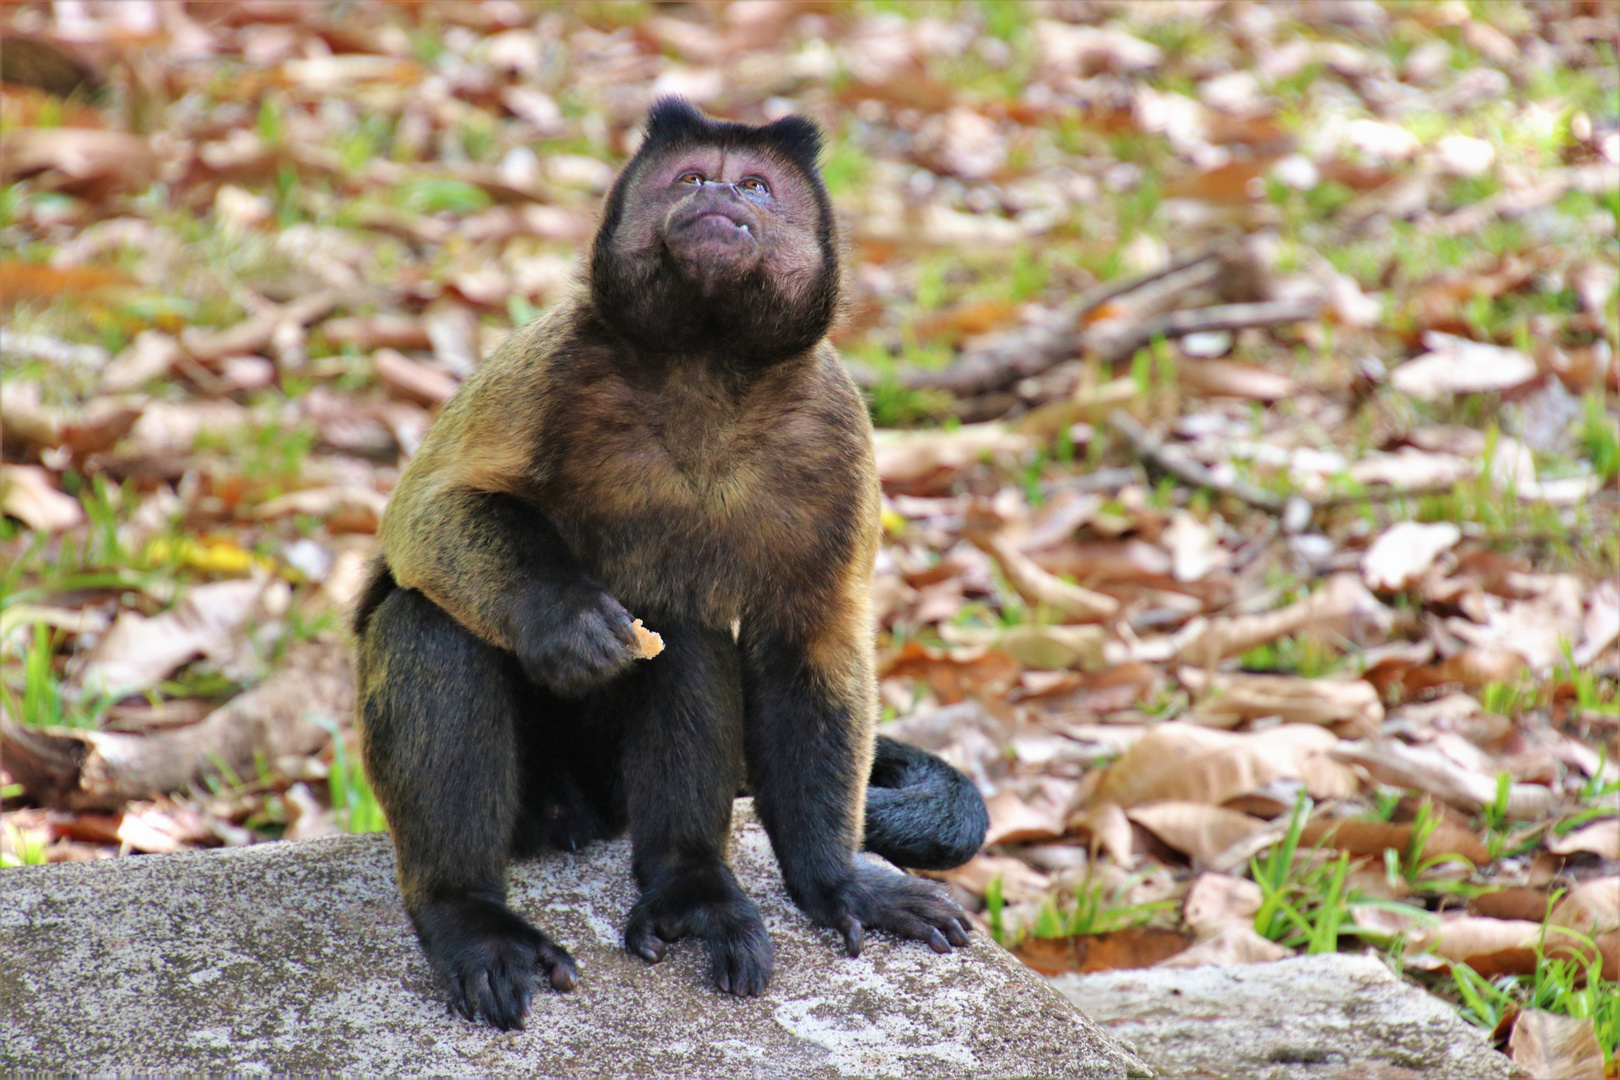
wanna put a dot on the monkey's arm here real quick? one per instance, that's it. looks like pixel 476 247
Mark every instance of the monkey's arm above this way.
pixel 462 529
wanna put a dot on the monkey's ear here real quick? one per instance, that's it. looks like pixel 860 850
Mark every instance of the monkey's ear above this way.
pixel 795 138
pixel 674 119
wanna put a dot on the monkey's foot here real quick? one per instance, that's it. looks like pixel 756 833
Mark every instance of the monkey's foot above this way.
pixel 489 958
pixel 884 900
pixel 704 902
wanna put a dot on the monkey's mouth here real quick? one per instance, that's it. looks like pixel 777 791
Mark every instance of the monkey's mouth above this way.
pixel 718 224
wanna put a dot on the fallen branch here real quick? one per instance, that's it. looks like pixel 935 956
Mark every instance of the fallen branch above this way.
pixel 1034 349
pixel 1038 586
pixel 1183 466
pixel 1295 510
pixel 285 716
pixel 1179 324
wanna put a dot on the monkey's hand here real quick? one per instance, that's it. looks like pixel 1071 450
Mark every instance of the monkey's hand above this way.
pixel 575 638
pixel 885 900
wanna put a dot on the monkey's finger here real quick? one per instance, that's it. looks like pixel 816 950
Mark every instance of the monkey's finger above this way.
pixel 937 942
pixel 854 934
pixel 955 934
pixel 508 996
pixel 649 946
pixel 966 924
pixel 562 973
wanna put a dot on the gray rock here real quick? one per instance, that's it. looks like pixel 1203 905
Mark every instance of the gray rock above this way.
pixel 297 957
pixel 1306 1018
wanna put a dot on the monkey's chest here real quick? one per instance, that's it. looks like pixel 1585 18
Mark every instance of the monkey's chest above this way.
pixel 702 532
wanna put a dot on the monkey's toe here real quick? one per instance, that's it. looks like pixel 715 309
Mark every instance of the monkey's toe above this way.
pixel 490 958
pixel 884 900
pixel 704 901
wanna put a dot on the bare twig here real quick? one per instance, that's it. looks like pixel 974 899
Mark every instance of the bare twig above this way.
pixel 1178 324
pixel 1178 463
pixel 1034 349
pixel 1296 510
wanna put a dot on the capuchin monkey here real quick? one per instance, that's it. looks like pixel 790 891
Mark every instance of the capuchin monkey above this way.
pixel 678 443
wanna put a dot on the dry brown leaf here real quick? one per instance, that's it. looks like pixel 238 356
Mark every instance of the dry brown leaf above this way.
pixel 909 458
pixel 1552 1047
pixel 1295 699
pixel 1109 830
pixel 955 674
pixel 1014 819
pixel 1195 547
pixel 1426 769
pixel 1218 901
pixel 1455 365
pixel 1601 838
pixel 1106 560
pixel 1198 830
pixel 1039 588
pixel 1473 668
pixel 1343 600
pixel 345 508
pixel 1044 648
pixel 28 494
pixel 381 331
pixel 90 162
pixel 412 378
pixel 1601 626
pixel 1404 552
pixel 1373 838
pixel 1232 944
pixel 1227 378
pixel 1199 764
pixel 139 652
pixel 150 356
pixel 1463 939
pixel 1019 881
pixel 1591 908
pixel 1135 948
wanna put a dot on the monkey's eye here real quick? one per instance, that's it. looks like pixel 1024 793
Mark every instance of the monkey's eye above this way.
pixel 754 185
pixel 691 176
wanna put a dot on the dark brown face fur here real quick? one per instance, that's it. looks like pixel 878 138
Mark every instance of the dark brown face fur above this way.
pixel 718 240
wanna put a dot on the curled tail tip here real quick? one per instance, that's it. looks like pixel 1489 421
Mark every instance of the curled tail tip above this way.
pixel 921 813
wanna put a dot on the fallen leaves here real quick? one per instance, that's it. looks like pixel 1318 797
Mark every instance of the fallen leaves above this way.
pixel 140 651
pixel 28 494
pixel 1199 764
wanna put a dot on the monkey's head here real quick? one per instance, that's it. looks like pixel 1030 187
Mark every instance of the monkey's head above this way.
pixel 718 237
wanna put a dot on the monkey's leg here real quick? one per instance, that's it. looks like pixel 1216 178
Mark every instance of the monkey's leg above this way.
pixel 682 768
pixel 807 738
pixel 437 712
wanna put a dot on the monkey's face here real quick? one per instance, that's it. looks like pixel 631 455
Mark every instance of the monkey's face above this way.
pixel 718 238
pixel 722 215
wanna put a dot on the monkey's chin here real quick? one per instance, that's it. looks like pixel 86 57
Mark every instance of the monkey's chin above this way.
pixel 715 264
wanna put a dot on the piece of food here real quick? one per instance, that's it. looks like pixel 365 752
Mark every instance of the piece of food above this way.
pixel 648 640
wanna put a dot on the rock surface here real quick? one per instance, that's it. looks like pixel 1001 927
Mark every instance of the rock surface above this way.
pixel 1306 1018
pixel 297 957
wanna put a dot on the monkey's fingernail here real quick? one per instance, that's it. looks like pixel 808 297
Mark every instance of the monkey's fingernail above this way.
pixel 853 934
pixel 562 979
pixel 937 942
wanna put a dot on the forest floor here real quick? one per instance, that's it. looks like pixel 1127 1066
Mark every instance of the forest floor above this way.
pixel 1248 397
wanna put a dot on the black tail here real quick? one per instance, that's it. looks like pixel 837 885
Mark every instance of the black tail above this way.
pixel 920 812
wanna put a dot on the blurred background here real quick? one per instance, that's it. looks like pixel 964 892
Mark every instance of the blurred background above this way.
pixel 1245 376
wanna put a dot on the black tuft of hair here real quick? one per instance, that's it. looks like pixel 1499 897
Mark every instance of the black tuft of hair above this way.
pixel 675 120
